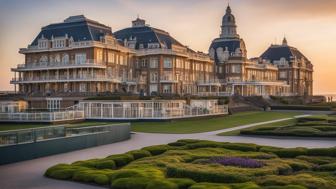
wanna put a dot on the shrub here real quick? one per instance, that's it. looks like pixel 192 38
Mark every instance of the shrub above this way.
pixel 105 164
pixel 299 166
pixel 322 152
pixel 240 147
pixel 87 163
pixel 247 185
pixel 121 159
pixel 130 183
pixel 182 183
pixel 157 149
pixel 189 141
pixel 320 160
pixel 285 152
pixel 326 167
pixel 285 187
pixel 177 144
pixel 63 171
pixel 137 154
pixel 161 184
pixel 237 161
pixel 102 179
pixel 127 173
pixel 208 186
pixel 199 175
pixel 204 144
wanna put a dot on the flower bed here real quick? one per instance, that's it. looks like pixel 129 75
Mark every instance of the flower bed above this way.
pixel 198 164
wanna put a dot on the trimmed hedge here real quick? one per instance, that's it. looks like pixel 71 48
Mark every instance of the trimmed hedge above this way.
pixel 299 107
pixel 121 159
pixel 161 184
pixel 326 167
pixel 205 175
pixel 138 154
pixel 285 152
pixel 182 183
pixel 130 183
pixel 157 149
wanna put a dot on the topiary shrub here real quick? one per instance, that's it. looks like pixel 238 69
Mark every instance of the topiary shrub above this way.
pixel 285 187
pixel 240 147
pixel 247 185
pixel 63 171
pixel 121 159
pixel 161 184
pixel 105 164
pixel 87 163
pixel 182 183
pixel 204 144
pixel 189 141
pixel 322 152
pixel 177 144
pixel 319 160
pixel 209 186
pixel 126 173
pixel 326 167
pixel 285 152
pixel 205 175
pixel 130 183
pixel 137 154
pixel 101 179
pixel 157 149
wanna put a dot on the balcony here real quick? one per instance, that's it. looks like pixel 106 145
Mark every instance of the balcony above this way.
pixel 63 78
pixel 90 63
pixel 213 82
pixel 166 79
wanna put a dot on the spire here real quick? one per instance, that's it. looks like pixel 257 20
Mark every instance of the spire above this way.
pixel 229 28
pixel 228 9
pixel 284 42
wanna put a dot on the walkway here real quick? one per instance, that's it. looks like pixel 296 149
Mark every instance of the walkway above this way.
pixel 29 174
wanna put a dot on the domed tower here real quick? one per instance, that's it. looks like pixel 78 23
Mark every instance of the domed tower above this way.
pixel 229 44
pixel 229 27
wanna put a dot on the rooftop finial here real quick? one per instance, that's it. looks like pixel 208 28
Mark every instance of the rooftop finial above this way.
pixel 284 41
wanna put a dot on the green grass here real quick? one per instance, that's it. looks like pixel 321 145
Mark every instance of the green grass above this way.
pixel 198 164
pixel 312 126
pixel 276 124
pixel 196 125
pixel 209 124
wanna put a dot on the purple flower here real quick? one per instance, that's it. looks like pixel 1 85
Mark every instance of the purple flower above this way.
pixel 237 161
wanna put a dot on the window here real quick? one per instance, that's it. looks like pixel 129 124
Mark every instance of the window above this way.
pixel 99 55
pixel 110 57
pixel 54 103
pixel 80 58
pixel 167 63
pixel 283 74
pixel 153 62
pixel 153 88
pixel 144 63
pixel 65 58
pixel 167 89
pixel 82 87
pixel 235 69
pixel 154 77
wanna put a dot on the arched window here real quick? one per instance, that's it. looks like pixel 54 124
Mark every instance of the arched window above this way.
pixel 65 58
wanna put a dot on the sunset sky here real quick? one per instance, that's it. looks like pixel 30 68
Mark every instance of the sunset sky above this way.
pixel 309 25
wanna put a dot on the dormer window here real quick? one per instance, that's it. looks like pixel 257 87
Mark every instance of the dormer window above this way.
pixel 141 46
pixel 42 44
pixel 59 43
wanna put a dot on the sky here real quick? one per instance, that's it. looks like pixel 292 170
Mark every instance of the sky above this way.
pixel 308 25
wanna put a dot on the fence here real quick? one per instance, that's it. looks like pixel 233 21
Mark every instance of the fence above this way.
pixel 42 116
pixel 146 110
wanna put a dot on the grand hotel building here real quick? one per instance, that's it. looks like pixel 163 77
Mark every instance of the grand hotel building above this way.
pixel 80 57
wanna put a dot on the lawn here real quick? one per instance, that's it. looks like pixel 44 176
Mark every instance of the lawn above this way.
pixel 313 126
pixel 196 125
pixel 209 124
pixel 270 125
pixel 198 164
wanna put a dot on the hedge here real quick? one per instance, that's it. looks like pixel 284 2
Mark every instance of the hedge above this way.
pixel 121 159
pixel 299 107
pixel 161 184
pixel 138 154
pixel 285 152
pixel 157 149
pixel 130 183
pixel 182 183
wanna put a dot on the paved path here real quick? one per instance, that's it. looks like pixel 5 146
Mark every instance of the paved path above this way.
pixel 29 174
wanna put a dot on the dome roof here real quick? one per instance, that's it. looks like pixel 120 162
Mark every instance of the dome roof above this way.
pixel 230 46
pixel 276 52
pixel 228 18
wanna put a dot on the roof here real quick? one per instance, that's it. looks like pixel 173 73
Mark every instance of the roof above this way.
pixel 145 35
pixel 276 52
pixel 78 27
pixel 230 44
